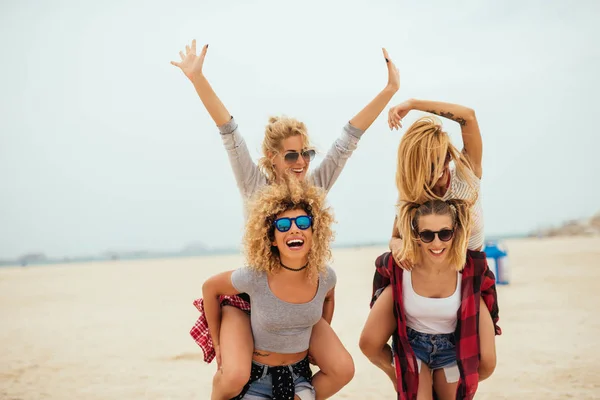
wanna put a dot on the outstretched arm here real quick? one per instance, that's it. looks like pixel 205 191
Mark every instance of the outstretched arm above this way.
pixel 464 116
pixel 326 174
pixel 191 65
pixel 246 172
pixel 367 115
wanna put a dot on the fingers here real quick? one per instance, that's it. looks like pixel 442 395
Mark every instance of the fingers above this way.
pixel 394 119
pixel 194 46
pixel 218 358
pixel 406 265
pixel 175 63
pixel 203 53
pixel 181 55
pixel 385 55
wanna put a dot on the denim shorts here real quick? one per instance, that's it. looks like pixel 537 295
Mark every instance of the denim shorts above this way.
pixel 436 351
pixel 263 388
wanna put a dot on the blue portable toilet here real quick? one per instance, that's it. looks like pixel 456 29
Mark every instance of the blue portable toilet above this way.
pixel 497 259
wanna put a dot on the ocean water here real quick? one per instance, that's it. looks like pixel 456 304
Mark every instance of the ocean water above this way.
pixel 203 253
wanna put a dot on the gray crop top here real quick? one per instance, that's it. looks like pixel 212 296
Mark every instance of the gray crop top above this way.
pixel 279 326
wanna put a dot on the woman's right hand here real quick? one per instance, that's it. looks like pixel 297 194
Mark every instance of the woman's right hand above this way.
pixel 396 248
pixel 191 64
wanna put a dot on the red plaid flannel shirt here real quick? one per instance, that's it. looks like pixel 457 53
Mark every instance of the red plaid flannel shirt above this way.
pixel 477 280
pixel 200 332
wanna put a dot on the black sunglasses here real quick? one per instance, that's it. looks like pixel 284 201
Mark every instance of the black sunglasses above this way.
pixel 292 156
pixel 428 236
pixel 303 222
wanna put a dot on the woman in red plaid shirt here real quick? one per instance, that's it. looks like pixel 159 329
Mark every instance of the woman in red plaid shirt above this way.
pixel 286 147
pixel 438 305
pixel 424 173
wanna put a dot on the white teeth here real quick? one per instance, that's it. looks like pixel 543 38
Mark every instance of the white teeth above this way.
pixel 437 251
pixel 298 170
pixel 295 241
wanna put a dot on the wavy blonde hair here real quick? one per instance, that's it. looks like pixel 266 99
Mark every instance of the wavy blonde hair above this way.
pixel 266 205
pixel 421 156
pixel 279 129
pixel 458 210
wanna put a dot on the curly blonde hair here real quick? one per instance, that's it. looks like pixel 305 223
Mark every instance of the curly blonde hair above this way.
pixel 408 224
pixel 421 155
pixel 279 129
pixel 272 200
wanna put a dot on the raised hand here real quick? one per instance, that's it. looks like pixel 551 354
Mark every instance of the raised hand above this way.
pixel 398 112
pixel 191 64
pixel 393 74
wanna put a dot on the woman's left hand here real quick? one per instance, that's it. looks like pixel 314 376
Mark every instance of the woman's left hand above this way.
pixel 398 112
pixel 393 74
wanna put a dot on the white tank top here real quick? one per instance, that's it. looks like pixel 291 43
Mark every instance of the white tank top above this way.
pixel 430 315
pixel 460 189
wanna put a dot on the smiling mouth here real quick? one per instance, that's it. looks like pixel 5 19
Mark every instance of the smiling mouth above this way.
pixel 295 244
pixel 298 170
pixel 437 252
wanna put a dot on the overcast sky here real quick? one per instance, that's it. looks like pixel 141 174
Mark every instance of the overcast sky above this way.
pixel 105 145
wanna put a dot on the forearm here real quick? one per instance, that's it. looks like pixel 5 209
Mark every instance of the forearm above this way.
pixel 369 114
pixel 211 101
pixel 212 312
pixel 461 114
pixel 395 241
pixel 328 308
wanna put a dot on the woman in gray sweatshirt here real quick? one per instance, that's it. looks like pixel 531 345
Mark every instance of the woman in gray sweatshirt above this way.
pixel 286 148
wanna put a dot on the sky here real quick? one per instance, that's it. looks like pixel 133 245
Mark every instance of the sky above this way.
pixel 105 146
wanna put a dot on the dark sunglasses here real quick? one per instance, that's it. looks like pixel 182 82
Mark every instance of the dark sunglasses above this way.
pixel 428 236
pixel 292 156
pixel 303 222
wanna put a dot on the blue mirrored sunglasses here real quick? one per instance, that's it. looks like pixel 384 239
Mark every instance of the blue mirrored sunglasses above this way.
pixel 303 222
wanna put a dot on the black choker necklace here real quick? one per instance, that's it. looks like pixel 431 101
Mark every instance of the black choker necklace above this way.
pixel 294 269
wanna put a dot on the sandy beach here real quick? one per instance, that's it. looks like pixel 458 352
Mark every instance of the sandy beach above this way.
pixel 120 329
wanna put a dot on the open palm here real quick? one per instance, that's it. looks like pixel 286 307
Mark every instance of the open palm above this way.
pixel 191 64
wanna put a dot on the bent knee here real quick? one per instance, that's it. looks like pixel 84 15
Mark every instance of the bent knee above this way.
pixel 235 378
pixel 487 366
pixel 369 346
pixel 343 372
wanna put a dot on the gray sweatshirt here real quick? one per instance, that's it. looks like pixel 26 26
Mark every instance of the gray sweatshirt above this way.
pixel 249 178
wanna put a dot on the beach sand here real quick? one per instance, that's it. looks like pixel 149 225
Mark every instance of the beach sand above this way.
pixel 115 330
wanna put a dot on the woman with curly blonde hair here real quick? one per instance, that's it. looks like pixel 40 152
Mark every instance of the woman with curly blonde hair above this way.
pixel 286 241
pixel 286 149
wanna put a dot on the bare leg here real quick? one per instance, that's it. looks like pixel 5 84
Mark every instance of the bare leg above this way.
pixel 443 389
pixel 237 345
pixel 335 363
pixel 378 329
pixel 425 391
pixel 487 342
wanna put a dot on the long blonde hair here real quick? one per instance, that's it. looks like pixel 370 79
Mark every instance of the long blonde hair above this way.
pixel 279 129
pixel 458 210
pixel 271 201
pixel 421 156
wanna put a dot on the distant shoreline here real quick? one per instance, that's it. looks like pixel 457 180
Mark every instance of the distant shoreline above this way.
pixel 149 255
